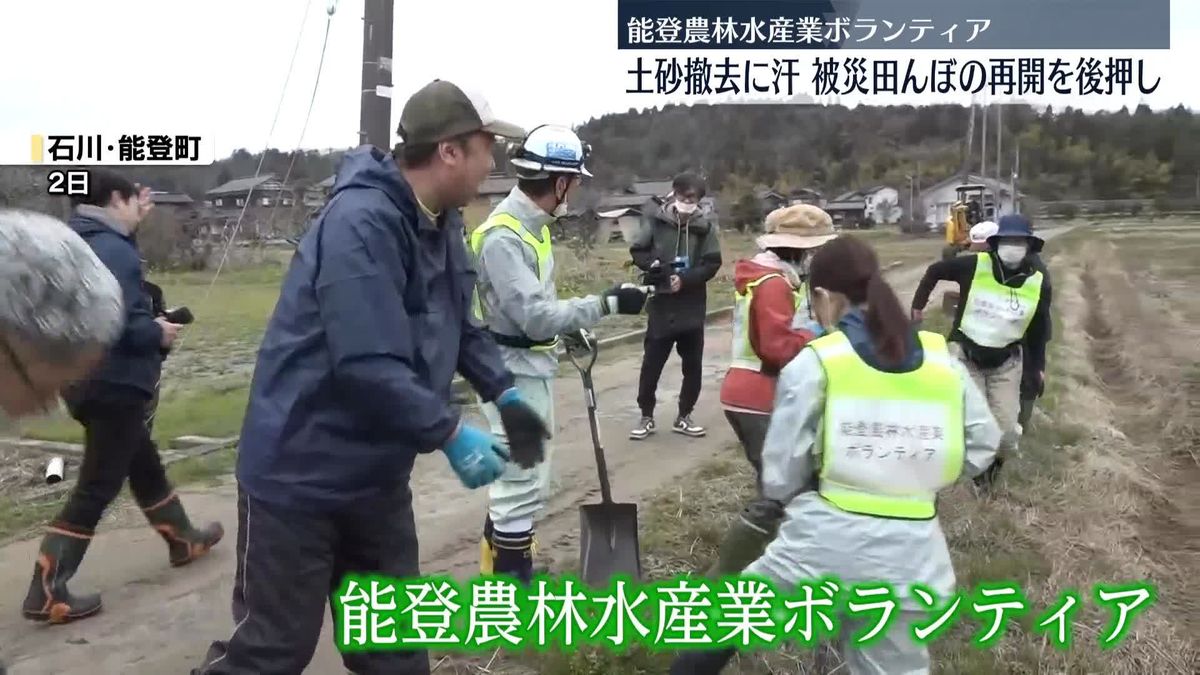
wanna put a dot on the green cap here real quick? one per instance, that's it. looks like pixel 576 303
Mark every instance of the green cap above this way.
pixel 441 110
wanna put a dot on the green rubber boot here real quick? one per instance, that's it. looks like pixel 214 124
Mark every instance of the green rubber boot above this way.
pixel 743 544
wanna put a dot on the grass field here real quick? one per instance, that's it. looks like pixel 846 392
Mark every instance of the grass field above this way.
pixel 1104 492
pixel 206 379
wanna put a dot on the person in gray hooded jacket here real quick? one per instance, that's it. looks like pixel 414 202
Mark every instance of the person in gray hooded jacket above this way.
pixel 517 300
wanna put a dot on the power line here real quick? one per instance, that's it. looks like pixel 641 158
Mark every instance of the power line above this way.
pixel 271 132
pixel 312 99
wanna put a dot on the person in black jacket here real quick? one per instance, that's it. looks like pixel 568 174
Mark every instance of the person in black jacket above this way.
pixel 111 406
pixel 158 308
pixel 1033 379
pixel 679 248
pixel 1004 312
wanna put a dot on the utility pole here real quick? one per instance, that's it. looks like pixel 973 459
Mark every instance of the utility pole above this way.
pixel 1015 175
pixel 970 140
pixel 375 107
pixel 999 137
pixel 919 187
pixel 983 143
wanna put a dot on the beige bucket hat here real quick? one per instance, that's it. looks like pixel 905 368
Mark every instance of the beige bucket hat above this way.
pixel 797 226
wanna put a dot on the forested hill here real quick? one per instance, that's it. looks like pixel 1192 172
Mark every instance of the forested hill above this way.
pixel 1064 154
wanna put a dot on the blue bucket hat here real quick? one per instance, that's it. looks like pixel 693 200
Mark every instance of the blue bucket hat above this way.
pixel 1017 225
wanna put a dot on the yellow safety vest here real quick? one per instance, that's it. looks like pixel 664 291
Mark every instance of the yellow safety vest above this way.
pixel 543 249
pixel 743 351
pixel 889 441
pixel 996 315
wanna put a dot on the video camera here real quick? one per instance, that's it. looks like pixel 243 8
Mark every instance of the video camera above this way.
pixel 660 275
pixel 179 315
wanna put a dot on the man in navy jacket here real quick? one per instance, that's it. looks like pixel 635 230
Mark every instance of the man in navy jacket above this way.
pixel 353 380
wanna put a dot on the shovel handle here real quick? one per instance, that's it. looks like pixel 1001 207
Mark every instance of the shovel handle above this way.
pixel 582 354
pixel 589 393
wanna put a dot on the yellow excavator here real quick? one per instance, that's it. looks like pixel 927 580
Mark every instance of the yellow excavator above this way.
pixel 975 203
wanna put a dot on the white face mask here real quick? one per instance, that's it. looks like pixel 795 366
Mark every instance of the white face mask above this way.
pixel 1011 254
pixel 560 210
pixel 686 208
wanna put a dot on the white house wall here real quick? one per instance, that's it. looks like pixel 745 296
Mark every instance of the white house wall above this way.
pixel 878 197
pixel 937 204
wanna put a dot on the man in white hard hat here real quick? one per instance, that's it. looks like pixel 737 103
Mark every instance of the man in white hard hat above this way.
pixel 517 300
pixel 979 236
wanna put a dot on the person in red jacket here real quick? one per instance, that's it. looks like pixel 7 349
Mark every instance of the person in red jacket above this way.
pixel 771 324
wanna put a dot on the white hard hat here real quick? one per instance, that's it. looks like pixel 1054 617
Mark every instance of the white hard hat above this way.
pixel 981 231
pixel 550 149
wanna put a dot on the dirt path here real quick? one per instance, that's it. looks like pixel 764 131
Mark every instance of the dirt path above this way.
pixel 158 620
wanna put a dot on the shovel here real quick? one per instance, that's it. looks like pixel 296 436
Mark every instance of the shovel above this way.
pixel 608 538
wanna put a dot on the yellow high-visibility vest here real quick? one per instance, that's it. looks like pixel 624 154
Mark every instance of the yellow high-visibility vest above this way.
pixel 889 441
pixel 996 315
pixel 743 351
pixel 543 249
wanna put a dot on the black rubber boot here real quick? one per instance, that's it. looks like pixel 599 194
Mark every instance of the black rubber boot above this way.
pixel 985 481
pixel 706 662
pixel 505 553
pixel 514 555
pixel 49 600
pixel 184 542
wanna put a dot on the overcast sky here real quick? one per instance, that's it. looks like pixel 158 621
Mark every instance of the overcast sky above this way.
pixel 217 67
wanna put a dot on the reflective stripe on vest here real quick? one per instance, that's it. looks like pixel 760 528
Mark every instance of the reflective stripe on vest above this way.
pixel 889 441
pixel 996 315
pixel 743 351
pixel 543 249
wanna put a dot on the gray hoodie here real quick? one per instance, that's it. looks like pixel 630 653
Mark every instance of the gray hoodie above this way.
pixel 515 302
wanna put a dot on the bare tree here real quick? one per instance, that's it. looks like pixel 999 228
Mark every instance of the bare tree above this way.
pixel 169 240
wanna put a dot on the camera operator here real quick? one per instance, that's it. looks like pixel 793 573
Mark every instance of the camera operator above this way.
pixel 679 248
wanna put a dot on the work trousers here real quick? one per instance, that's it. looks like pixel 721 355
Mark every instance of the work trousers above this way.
pixel 1002 388
pixel 690 347
pixel 116 446
pixel 519 495
pixel 751 432
pixel 288 564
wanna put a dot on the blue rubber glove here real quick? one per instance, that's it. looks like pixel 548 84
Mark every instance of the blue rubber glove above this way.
pixel 476 456
pixel 815 328
pixel 525 429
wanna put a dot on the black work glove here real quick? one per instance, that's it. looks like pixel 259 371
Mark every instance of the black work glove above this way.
pixel 658 276
pixel 623 300
pixel 525 429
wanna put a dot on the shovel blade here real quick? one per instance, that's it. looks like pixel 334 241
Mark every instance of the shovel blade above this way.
pixel 609 543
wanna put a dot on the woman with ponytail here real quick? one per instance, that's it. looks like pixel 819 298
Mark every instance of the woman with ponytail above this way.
pixel 871 421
